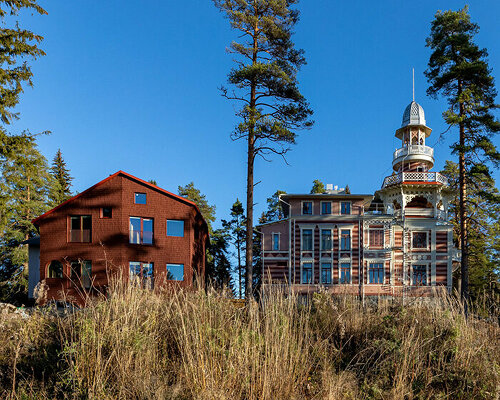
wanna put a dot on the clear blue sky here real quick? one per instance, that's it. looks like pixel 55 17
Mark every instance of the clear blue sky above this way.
pixel 132 85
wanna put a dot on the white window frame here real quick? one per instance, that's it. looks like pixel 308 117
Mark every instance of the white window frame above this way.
pixel 321 205
pixel 340 239
pixel 348 261
pixel 383 236
pixel 302 207
pixel 302 272
pixel 311 228
pixel 272 241
pixel 368 272
pixel 321 239
pixel 427 247
pixel 427 271
pixel 350 207
pixel 329 262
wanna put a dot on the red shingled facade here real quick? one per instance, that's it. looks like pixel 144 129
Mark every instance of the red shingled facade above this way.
pixel 109 249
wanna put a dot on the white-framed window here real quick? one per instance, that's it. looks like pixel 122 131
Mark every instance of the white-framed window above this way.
pixel 419 275
pixel 326 239
pixel 307 208
pixel 376 238
pixel 345 273
pixel 345 207
pixel 175 227
pixel 420 240
pixel 326 207
pixel 326 273
pixel 276 241
pixel 307 239
pixel 345 239
pixel 376 272
pixel 307 273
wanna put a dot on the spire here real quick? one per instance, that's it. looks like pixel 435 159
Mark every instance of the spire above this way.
pixel 413 72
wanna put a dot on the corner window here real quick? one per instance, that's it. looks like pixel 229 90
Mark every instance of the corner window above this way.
pixel 326 239
pixel 326 207
pixel 80 228
pixel 419 240
pixel 81 273
pixel 326 273
pixel 141 274
pixel 307 239
pixel 345 239
pixel 306 273
pixel 55 270
pixel 376 273
pixel 276 241
pixel 345 273
pixel 106 212
pixel 376 237
pixel 307 207
pixel 175 272
pixel 140 198
pixel 175 228
pixel 419 275
pixel 345 207
pixel 141 230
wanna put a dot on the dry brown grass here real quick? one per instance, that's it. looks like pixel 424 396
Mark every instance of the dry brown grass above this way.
pixel 137 344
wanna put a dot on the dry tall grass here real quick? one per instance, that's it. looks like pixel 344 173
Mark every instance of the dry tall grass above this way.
pixel 137 344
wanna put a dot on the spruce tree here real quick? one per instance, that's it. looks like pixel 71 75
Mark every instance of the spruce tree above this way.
pixel 318 187
pixel 265 82
pixel 60 191
pixel 192 193
pixel 459 71
pixel 218 265
pixel 16 44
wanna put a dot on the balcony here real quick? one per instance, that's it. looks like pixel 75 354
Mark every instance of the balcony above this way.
pixel 414 177
pixel 414 152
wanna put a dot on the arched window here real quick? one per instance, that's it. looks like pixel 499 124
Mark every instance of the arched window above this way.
pixel 55 269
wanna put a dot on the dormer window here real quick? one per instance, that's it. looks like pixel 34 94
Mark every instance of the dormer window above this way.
pixel 307 208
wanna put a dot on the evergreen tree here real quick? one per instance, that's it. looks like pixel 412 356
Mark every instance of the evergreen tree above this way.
pixel 347 189
pixel 24 196
pixel 236 232
pixel 276 208
pixel 266 85
pixel 459 71
pixel 16 45
pixel 190 192
pixel 318 187
pixel 218 265
pixel 60 190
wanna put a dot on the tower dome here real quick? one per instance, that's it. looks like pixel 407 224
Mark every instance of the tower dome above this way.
pixel 413 115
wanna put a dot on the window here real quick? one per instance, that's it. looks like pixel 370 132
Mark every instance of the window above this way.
pixel 307 240
pixel 141 230
pixel 345 239
pixel 80 228
pixel 419 240
pixel 81 272
pixel 140 198
pixel 307 275
pixel 55 270
pixel 326 239
pixel 376 238
pixel 175 272
pixel 142 274
pixel 276 241
pixel 376 273
pixel 307 207
pixel 345 273
pixel 175 228
pixel 345 207
pixel 326 207
pixel 420 275
pixel 106 212
pixel 326 273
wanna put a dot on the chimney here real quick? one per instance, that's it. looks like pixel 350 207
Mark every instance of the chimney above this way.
pixel 329 186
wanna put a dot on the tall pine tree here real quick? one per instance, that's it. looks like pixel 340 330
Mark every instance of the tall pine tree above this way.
pixel 458 70
pixel 60 190
pixel 192 193
pixel 265 81
pixel 218 265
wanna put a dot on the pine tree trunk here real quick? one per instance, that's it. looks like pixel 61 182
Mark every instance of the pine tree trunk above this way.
pixel 462 209
pixel 238 244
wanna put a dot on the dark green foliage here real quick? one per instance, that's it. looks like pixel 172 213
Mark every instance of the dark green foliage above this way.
pixel 276 208
pixel 318 187
pixel 60 190
pixel 236 232
pixel 23 196
pixel 265 81
pixel 16 45
pixel 347 189
pixel 190 192
pixel 153 182
pixel 218 265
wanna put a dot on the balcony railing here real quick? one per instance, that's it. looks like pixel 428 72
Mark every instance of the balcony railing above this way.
pixel 408 177
pixel 413 149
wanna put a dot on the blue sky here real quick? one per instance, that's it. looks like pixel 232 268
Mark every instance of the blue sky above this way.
pixel 133 85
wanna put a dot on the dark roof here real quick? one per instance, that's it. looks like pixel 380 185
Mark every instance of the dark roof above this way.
pixel 126 175
pixel 329 196
pixel 33 241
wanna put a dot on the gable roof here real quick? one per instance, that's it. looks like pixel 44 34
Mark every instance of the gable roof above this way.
pixel 131 177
